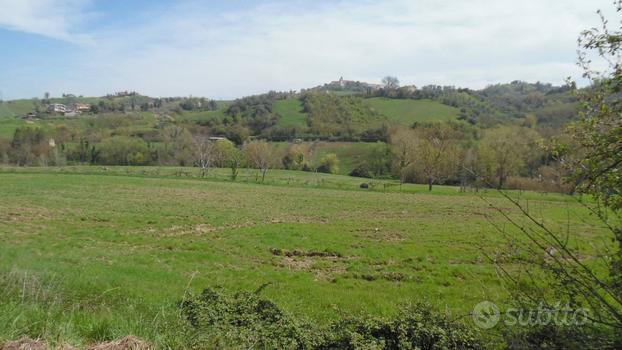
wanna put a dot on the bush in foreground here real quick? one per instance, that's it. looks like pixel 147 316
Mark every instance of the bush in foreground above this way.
pixel 246 320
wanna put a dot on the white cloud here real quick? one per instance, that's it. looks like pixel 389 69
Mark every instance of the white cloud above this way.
pixel 51 18
pixel 297 44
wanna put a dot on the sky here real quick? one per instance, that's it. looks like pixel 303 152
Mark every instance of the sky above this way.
pixel 234 48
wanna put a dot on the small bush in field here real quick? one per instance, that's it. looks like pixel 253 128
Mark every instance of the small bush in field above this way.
pixel 329 164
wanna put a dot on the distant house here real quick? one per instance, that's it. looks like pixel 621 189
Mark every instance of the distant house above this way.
pixel 81 107
pixel 57 108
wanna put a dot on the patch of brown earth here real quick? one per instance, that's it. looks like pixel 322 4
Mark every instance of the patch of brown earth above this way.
pixel 379 235
pixel 127 343
pixel 324 265
pixel 24 344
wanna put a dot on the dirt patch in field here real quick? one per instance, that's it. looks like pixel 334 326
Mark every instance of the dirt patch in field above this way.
pixel 323 269
pixel 196 230
pixel 379 235
pixel 298 219
pixel 25 214
pixel 387 276
pixel 308 253
pixel 127 343
pixel 24 344
pixel 324 265
pixel 297 263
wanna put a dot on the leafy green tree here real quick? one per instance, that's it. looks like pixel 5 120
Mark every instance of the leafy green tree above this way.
pixel 30 145
pixel 436 155
pixel 504 151
pixel 379 159
pixel 224 151
pixel 403 148
pixel 5 146
pixel 238 133
pixel 123 150
pixel 179 145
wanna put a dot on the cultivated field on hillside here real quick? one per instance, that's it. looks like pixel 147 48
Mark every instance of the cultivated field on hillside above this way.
pixel 408 111
pixel 93 253
pixel 291 114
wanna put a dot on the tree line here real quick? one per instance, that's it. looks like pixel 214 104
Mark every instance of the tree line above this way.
pixel 454 153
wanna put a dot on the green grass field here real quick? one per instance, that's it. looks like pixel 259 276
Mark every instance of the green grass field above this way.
pixel 92 253
pixel 291 113
pixel 16 108
pixel 9 124
pixel 409 111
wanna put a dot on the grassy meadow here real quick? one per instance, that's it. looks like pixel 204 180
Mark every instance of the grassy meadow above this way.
pixel 17 107
pixel 409 111
pixel 291 113
pixel 96 253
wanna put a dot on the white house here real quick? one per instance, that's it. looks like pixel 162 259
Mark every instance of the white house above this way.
pixel 57 108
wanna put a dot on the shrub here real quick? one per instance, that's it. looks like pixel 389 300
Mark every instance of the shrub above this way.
pixel 297 157
pixel 246 320
pixel 329 164
pixel 243 319
pixel 415 327
pixel 560 337
pixel 362 170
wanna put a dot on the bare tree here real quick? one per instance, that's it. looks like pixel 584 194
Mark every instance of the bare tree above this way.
pixel 206 153
pixel 390 82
